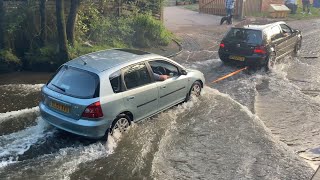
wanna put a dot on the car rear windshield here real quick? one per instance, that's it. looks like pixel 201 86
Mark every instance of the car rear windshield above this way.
pixel 245 35
pixel 75 82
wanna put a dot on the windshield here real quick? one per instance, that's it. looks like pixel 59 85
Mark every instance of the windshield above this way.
pixel 245 35
pixel 75 82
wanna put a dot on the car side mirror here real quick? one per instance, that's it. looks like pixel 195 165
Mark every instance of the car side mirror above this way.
pixel 184 72
pixel 171 74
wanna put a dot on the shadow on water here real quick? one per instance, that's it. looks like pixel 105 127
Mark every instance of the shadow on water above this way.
pixel 25 77
pixel 15 97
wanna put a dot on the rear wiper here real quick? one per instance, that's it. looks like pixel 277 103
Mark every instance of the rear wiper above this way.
pixel 62 89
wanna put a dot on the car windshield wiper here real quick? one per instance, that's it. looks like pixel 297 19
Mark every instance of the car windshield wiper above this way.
pixel 62 89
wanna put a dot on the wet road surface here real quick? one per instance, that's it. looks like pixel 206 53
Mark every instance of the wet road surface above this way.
pixel 259 126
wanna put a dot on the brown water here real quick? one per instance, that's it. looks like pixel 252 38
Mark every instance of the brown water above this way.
pixel 245 127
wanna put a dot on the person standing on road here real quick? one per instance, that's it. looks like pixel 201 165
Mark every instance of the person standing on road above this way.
pixel 229 8
pixel 292 5
pixel 306 4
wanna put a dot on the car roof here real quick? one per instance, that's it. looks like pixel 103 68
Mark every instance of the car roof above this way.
pixel 259 26
pixel 106 59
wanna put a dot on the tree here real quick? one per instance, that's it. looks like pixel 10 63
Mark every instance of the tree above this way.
pixel 74 8
pixel 2 24
pixel 43 22
pixel 119 8
pixel 61 28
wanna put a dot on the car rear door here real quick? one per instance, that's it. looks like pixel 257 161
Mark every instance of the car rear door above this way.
pixel 141 94
pixel 174 89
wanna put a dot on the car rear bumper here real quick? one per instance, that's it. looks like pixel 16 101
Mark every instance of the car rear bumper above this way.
pixel 251 61
pixel 88 129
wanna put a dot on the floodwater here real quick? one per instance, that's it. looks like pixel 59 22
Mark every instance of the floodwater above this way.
pixel 258 126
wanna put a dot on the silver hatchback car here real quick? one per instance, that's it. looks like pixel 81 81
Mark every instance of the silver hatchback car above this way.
pixel 106 90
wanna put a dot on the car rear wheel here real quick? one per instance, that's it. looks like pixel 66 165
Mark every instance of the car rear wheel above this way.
pixel 225 61
pixel 195 90
pixel 121 123
pixel 297 48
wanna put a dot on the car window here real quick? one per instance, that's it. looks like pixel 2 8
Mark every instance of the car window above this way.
pixel 285 28
pixel 162 67
pixel 275 33
pixel 115 80
pixel 245 35
pixel 75 82
pixel 136 75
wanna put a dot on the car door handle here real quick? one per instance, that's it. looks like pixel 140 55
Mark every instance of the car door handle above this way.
pixel 163 87
pixel 130 97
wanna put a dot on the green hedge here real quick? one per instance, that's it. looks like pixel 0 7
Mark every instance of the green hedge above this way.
pixel 96 29
pixel 8 61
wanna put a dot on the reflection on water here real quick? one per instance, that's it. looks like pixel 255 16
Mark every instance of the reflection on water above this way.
pixel 15 97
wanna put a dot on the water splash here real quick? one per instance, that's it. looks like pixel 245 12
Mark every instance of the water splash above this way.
pixel 16 114
pixel 67 160
pixel 15 144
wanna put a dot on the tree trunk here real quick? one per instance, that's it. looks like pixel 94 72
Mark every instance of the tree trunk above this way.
pixel 61 28
pixel 43 22
pixel 2 24
pixel 119 10
pixel 74 8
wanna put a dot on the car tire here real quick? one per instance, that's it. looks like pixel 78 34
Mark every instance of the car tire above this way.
pixel 270 62
pixel 122 122
pixel 194 90
pixel 225 61
pixel 297 48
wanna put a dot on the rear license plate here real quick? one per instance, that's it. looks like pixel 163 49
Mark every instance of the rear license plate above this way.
pixel 237 58
pixel 59 107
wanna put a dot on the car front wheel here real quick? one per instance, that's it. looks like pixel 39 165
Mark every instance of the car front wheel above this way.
pixel 297 48
pixel 271 60
pixel 195 90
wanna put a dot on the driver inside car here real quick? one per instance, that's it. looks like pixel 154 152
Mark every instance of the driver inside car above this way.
pixel 158 77
pixel 285 34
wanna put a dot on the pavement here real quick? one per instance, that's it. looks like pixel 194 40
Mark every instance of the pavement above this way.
pixel 196 32
pixel 184 18
pixel 316 176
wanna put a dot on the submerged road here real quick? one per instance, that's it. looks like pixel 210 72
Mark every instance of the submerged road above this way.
pixel 260 126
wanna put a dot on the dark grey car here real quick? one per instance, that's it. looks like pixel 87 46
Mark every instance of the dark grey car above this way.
pixel 259 45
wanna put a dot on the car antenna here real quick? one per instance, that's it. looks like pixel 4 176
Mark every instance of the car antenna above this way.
pixel 84 62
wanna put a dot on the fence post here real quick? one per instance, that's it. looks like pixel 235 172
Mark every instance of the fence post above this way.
pixel 242 13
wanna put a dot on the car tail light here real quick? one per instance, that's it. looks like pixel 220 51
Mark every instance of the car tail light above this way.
pixel 222 45
pixel 93 111
pixel 260 50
